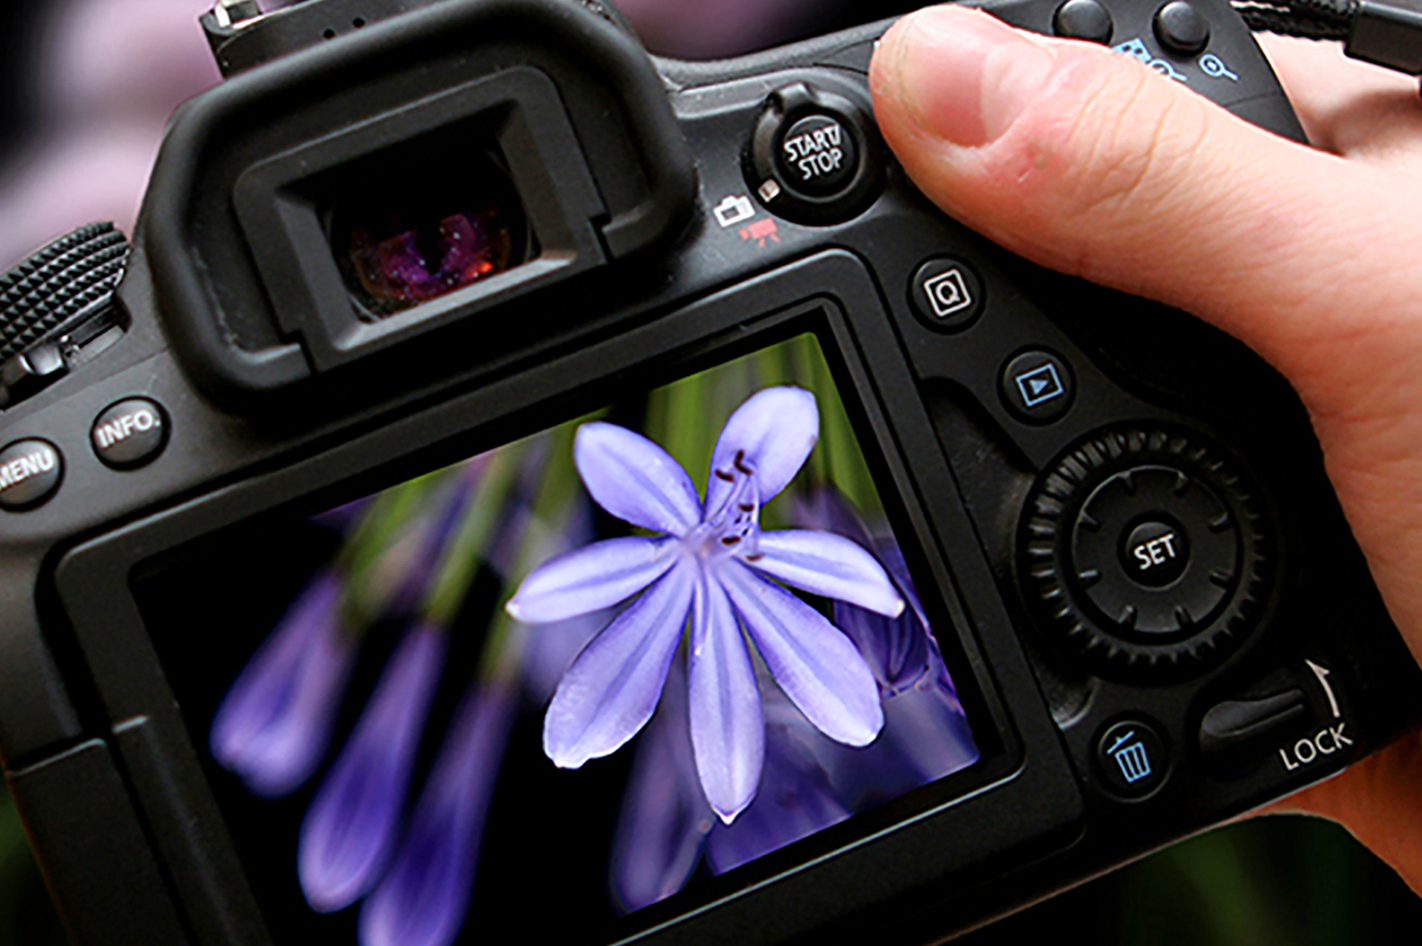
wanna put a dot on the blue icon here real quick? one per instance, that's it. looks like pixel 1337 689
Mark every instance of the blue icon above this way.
pixel 1214 67
pixel 1131 757
pixel 1040 385
pixel 1137 49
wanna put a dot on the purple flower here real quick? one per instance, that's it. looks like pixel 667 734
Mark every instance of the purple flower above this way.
pixel 352 823
pixel 795 800
pixel 664 819
pixel 273 726
pixel 423 899
pixel 710 563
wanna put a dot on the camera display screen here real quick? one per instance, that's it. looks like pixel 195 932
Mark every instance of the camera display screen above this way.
pixel 611 670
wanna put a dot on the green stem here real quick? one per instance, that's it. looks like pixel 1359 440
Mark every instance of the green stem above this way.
pixel 459 559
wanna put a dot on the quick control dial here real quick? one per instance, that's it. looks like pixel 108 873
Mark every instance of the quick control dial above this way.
pixel 1146 549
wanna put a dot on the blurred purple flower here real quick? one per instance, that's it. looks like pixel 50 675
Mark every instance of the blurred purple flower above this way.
pixel 899 648
pixel 664 819
pixel 353 821
pixel 423 899
pixel 274 724
pixel 796 798
pixel 710 564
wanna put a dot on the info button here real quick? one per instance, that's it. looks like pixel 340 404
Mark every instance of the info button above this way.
pixel 130 434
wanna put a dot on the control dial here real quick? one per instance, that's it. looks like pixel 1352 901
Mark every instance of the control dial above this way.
pixel 1147 550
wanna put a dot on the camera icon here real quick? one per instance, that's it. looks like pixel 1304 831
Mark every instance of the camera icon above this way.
pixel 948 293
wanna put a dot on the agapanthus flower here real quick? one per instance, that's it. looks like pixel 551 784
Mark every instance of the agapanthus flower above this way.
pixel 274 724
pixel 796 797
pixel 664 820
pixel 423 899
pixel 352 824
pixel 898 649
pixel 712 564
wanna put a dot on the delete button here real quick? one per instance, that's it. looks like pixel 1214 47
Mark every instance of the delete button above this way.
pixel 130 433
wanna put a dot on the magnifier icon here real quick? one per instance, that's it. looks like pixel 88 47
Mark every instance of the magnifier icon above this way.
pixel 1214 67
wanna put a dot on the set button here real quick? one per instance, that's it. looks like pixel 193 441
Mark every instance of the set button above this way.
pixel 130 434
pixel 30 472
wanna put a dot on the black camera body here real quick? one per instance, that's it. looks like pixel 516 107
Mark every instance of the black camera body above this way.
pixel 1117 519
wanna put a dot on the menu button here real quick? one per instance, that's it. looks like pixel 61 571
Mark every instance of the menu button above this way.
pixel 30 471
pixel 130 433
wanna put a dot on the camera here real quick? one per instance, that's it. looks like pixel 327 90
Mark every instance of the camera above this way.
pixel 513 487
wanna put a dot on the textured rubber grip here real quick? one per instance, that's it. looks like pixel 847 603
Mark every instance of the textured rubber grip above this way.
pixel 76 273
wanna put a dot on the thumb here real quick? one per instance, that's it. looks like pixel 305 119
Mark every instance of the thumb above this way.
pixel 1089 162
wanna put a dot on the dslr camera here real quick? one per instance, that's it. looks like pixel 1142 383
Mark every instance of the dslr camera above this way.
pixel 517 489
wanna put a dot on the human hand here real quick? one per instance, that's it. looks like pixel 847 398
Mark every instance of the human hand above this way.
pixel 1088 162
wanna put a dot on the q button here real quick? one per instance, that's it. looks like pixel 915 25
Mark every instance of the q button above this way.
pixel 130 434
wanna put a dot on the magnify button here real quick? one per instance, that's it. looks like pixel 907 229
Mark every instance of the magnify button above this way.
pixel 1214 67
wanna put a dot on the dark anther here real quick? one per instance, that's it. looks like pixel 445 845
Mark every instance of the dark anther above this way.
pixel 746 507
pixel 754 558
pixel 730 539
pixel 740 463
pixel 725 476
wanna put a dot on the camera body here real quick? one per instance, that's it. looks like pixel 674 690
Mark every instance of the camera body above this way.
pixel 1116 518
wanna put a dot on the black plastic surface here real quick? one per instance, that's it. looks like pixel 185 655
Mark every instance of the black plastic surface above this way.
pixel 92 850
pixel 1389 33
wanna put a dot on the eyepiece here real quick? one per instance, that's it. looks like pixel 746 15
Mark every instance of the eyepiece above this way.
pixel 403 243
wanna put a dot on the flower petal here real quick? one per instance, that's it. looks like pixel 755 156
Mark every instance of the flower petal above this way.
pixel 423 899
pixel 830 565
pixel 610 691
pixel 350 828
pixel 774 430
pixel 591 578
pixel 795 801
pixel 274 724
pixel 635 480
pixel 727 731
pixel 664 819
pixel 814 663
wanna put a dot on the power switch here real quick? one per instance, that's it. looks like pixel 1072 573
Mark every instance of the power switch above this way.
pixel 1232 724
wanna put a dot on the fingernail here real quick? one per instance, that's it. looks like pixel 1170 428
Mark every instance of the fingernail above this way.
pixel 965 76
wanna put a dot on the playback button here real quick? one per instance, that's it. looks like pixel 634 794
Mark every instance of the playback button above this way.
pixel 130 434
pixel 947 294
pixel 1037 386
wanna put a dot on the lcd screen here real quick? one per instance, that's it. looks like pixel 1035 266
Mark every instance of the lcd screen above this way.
pixel 626 660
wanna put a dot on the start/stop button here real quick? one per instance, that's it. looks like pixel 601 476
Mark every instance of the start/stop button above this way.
pixel 818 155
pixel 814 156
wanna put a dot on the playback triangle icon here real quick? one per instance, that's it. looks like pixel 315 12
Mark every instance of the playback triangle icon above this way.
pixel 1038 385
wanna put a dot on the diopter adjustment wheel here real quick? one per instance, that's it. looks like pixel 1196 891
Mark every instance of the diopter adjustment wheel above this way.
pixel 1146 551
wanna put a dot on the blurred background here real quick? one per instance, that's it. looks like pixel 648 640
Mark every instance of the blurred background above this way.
pixel 85 89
